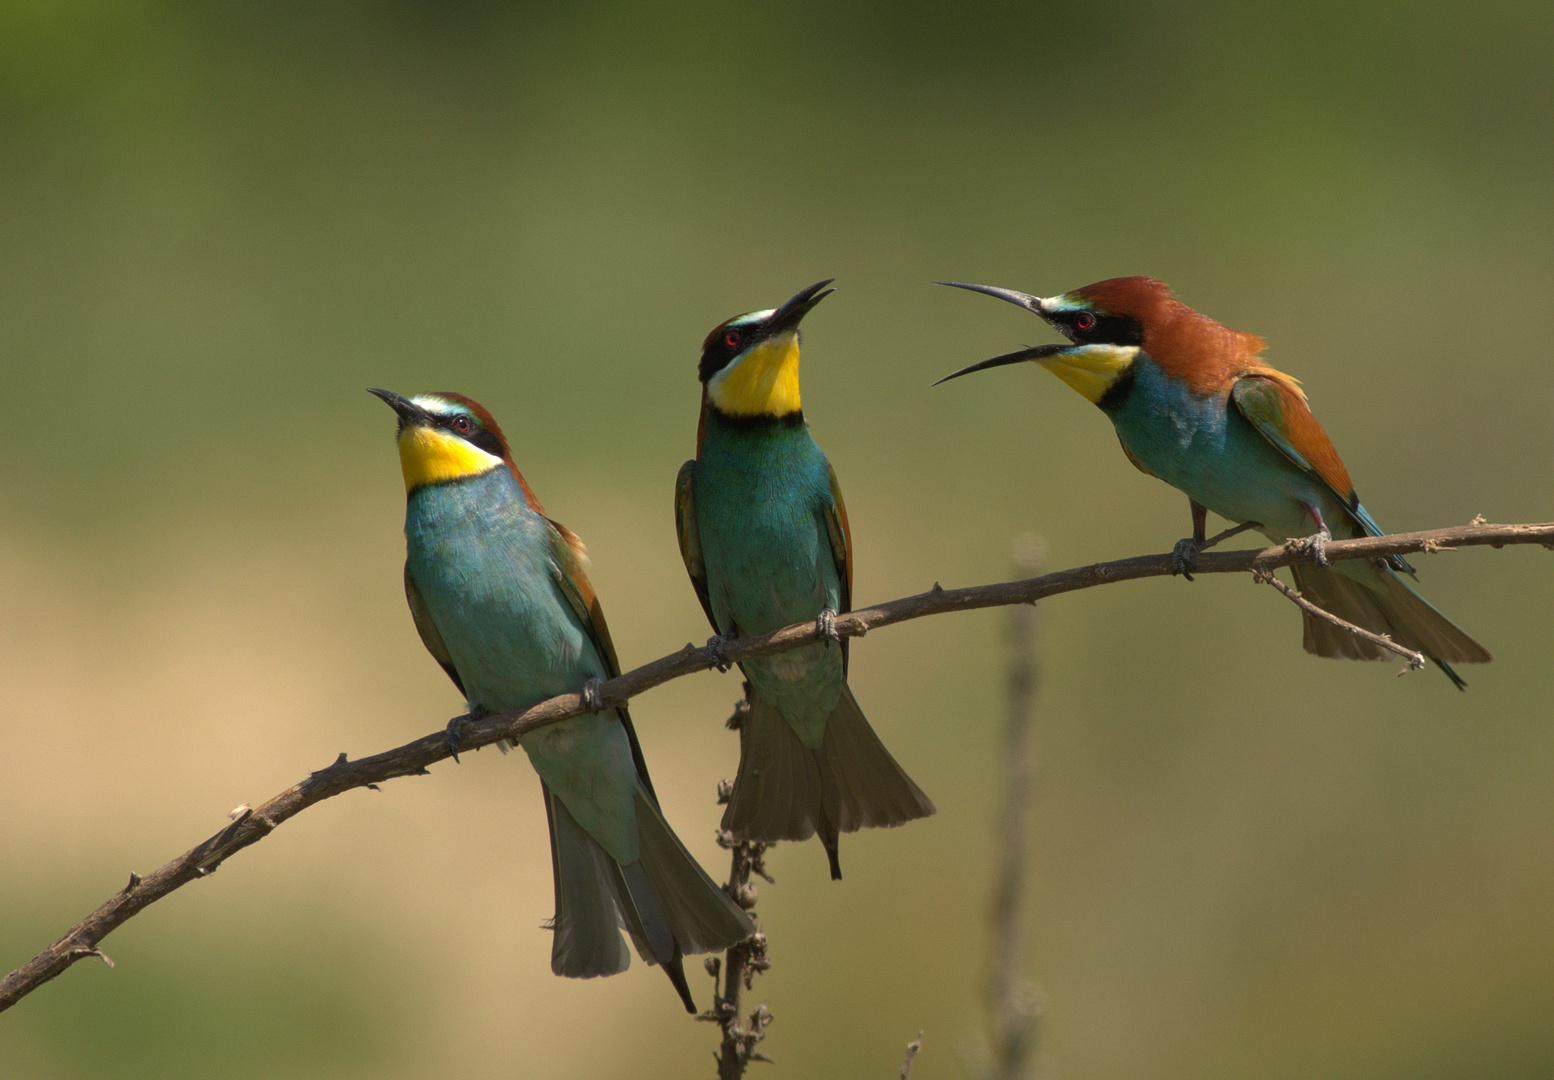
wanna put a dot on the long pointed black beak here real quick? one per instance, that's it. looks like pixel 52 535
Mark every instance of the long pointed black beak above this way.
pixel 1019 299
pixel 409 412
pixel 802 303
pixel 1037 352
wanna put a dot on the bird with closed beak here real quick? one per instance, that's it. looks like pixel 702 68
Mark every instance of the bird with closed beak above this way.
pixel 764 535
pixel 1195 405
pixel 499 594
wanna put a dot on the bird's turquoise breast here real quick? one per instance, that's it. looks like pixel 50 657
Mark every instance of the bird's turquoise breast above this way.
pixel 760 490
pixel 1204 447
pixel 481 560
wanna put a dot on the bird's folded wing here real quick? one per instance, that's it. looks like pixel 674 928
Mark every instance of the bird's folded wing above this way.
pixel 690 536
pixel 568 561
pixel 431 637
pixel 1272 403
pixel 841 536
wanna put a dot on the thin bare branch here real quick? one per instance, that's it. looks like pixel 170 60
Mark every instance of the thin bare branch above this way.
pixel 1220 537
pixel 1415 660
pixel 413 758
pixel 911 1052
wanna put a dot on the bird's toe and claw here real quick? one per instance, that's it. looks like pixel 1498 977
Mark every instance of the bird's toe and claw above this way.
pixel 1314 546
pixel 716 654
pixel 825 625
pixel 456 734
pixel 593 700
pixel 1184 555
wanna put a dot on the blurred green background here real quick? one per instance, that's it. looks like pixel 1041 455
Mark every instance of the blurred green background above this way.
pixel 219 223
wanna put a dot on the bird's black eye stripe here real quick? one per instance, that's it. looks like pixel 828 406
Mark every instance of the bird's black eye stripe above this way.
pixel 487 441
pixel 1099 328
pixel 470 430
pixel 723 345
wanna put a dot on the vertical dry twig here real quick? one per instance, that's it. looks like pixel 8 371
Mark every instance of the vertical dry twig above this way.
pixel 1014 1001
pixel 747 959
pixel 911 1052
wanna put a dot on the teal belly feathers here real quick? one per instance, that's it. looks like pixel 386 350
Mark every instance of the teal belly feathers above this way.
pixel 768 547
pixel 759 493
pixel 480 558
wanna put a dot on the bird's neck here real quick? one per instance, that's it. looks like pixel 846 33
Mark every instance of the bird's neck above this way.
pixel 717 424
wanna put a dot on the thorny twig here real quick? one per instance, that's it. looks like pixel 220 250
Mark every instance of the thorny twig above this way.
pixel 413 758
pixel 747 959
pixel 1415 660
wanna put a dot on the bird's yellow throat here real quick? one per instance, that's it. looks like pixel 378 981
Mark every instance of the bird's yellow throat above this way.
pixel 1091 369
pixel 429 456
pixel 762 382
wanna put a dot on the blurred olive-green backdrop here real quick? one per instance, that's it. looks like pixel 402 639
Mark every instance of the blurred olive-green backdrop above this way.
pixel 219 223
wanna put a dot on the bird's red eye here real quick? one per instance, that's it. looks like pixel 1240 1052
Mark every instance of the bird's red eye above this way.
pixel 461 424
pixel 732 339
pixel 1084 321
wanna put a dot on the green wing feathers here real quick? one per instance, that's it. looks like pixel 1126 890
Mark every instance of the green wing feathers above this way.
pixel 690 536
pixel 841 536
pixel 430 636
pixel 569 562
pixel 1272 403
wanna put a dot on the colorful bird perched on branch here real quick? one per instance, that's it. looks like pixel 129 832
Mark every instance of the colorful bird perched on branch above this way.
pixel 764 535
pixel 1196 406
pixel 501 600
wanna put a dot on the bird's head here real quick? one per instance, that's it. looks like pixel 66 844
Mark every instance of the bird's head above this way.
pixel 445 437
pixel 1107 324
pixel 750 364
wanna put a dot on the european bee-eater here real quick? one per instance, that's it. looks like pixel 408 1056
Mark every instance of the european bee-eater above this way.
pixel 501 600
pixel 1195 405
pixel 764 535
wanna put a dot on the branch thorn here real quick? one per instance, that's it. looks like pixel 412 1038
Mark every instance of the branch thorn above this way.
pixel 90 950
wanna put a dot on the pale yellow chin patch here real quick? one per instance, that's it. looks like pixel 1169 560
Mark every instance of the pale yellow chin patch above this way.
pixel 763 382
pixel 1091 369
pixel 430 457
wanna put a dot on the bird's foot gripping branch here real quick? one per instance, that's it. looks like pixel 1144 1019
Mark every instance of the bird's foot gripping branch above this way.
pixel 414 758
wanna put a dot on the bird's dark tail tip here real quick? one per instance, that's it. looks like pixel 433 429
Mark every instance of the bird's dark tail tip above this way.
pixel 1457 680
pixel 675 969
pixel 830 844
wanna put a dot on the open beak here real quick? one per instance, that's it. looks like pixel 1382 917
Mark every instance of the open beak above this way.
pixel 410 414
pixel 1030 303
pixel 1036 353
pixel 1018 299
pixel 792 313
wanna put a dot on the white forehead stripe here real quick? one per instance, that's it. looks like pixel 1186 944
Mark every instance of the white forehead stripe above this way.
pixel 753 317
pixel 440 406
pixel 1060 302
